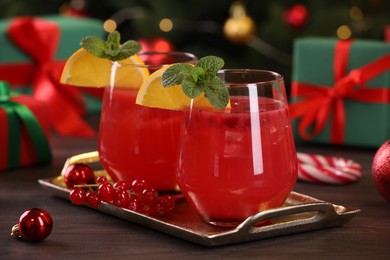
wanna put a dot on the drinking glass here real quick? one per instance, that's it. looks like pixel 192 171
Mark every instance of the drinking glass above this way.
pixel 137 142
pixel 235 162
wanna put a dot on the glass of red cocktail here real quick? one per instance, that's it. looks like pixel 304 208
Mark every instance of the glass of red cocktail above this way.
pixel 235 162
pixel 139 142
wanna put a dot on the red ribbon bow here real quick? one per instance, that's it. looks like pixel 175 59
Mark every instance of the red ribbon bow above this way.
pixel 39 39
pixel 319 102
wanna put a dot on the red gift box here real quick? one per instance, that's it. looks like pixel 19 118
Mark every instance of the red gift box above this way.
pixel 24 130
pixel 38 39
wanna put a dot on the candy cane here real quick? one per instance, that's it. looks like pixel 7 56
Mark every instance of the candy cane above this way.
pixel 326 169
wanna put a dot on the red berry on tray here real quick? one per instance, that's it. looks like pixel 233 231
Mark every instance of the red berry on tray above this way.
pixel 106 192
pixel 149 196
pixel 139 186
pixel 101 179
pixel 93 199
pixel 121 198
pixel 138 196
pixel 77 196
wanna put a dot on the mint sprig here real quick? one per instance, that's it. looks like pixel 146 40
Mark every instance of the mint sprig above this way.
pixel 201 78
pixel 110 49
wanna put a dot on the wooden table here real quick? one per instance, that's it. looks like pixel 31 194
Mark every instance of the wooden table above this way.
pixel 80 232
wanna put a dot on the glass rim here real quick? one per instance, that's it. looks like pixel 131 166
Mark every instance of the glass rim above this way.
pixel 277 77
pixel 188 58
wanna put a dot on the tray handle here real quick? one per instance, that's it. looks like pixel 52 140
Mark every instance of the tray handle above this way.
pixel 322 213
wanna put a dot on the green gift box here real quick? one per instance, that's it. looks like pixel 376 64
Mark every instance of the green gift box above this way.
pixel 32 54
pixel 72 29
pixel 340 92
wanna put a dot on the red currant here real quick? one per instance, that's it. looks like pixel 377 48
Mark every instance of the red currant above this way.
pixel 159 206
pixel 138 197
pixel 77 174
pixel 121 185
pixel 168 203
pixel 101 179
pixel 93 199
pixel 148 210
pixel 77 196
pixel 139 185
pixel 135 203
pixel 149 196
pixel 121 198
pixel 34 225
pixel 106 191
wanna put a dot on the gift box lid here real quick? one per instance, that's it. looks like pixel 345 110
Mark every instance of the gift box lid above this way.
pixel 72 30
pixel 314 59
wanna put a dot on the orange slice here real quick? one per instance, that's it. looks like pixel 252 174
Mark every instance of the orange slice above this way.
pixel 153 94
pixel 83 69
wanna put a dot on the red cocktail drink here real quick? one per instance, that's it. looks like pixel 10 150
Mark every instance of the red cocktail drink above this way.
pixel 138 142
pixel 237 162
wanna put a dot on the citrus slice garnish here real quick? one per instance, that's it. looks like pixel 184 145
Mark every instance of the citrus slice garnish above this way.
pixel 153 94
pixel 83 69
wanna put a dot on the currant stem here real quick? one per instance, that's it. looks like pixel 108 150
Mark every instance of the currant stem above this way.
pixel 86 185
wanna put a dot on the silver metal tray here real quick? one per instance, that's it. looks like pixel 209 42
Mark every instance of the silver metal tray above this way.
pixel 300 213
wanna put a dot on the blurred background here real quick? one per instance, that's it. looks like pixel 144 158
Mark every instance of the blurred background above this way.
pixel 251 33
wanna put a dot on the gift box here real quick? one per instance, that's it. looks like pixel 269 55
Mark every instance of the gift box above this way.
pixel 24 130
pixel 32 54
pixel 340 91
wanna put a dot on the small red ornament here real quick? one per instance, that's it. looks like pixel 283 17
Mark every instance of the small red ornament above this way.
pixel 75 8
pixel 387 33
pixel 77 174
pixel 381 170
pixel 296 16
pixel 155 44
pixel 67 11
pixel 34 225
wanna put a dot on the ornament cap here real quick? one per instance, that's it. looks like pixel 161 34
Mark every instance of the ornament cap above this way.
pixel 15 231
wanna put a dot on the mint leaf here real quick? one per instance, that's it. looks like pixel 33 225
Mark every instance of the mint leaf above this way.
pixel 126 50
pixel 200 78
pixel 110 49
pixel 175 74
pixel 197 73
pixel 190 88
pixel 211 64
pixel 95 45
pixel 114 39
pixel 217 93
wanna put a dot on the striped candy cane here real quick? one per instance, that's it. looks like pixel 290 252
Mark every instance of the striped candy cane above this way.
pixel 326 169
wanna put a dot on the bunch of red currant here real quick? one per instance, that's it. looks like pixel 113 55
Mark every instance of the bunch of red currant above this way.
pixel 136 196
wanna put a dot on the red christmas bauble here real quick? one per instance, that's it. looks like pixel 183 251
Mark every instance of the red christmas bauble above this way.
pixel 77 174
pixel 156 44
pixel 34 225
pixel 296 16
pixel 381 170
